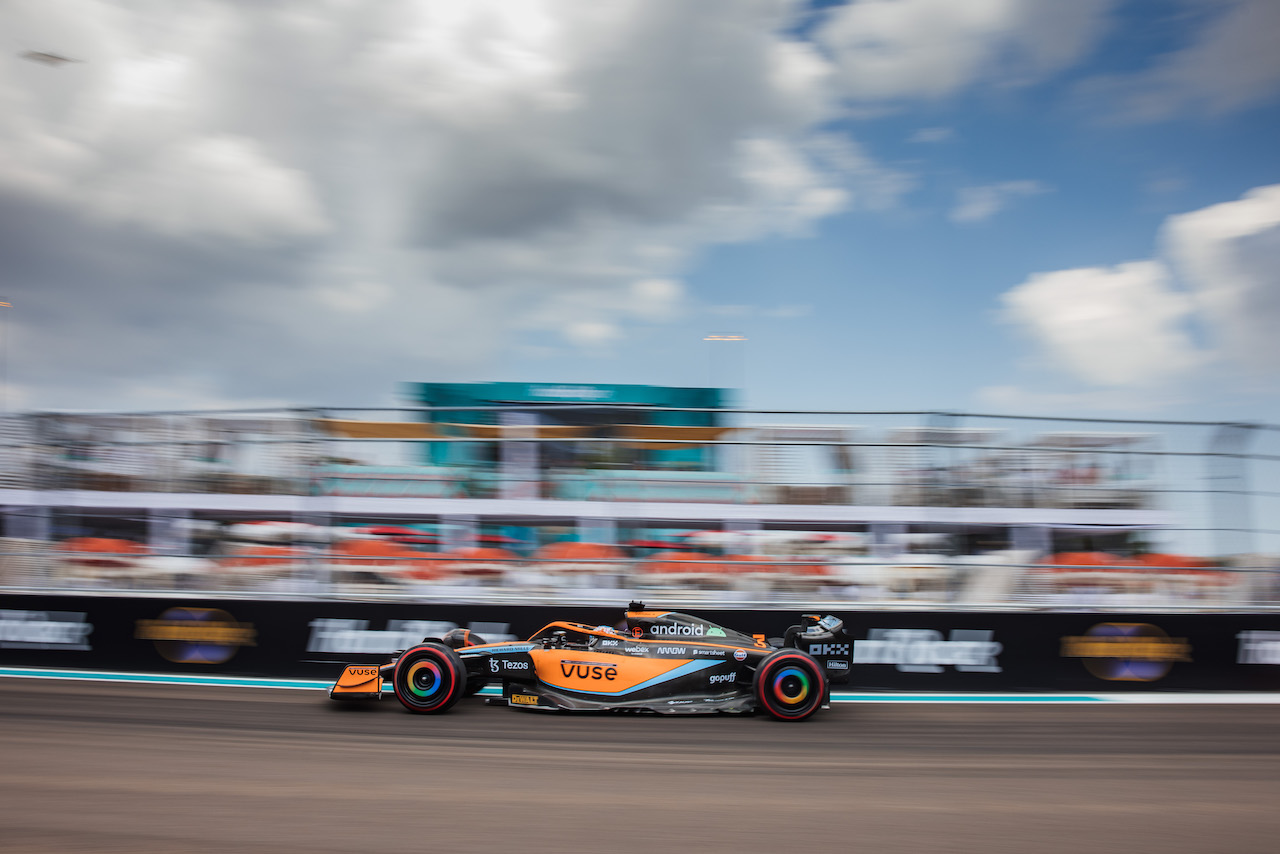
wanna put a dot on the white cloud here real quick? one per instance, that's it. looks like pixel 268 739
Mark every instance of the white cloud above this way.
pixel 396 189
pixel 928 135
pixel 1229 255
pixel 1230 64
pixel 974 204
pixel 1118 326
pixel 888 49
pixel 1129 326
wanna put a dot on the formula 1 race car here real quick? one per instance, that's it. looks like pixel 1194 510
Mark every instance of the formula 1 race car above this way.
pixel 663 662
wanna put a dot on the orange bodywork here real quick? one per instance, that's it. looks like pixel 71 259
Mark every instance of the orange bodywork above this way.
pixel 359 679
pixel 598 672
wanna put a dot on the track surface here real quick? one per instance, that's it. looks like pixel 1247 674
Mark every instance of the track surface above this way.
pixel 141 769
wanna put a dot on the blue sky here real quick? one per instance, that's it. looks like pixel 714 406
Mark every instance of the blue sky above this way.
pixel 1002 205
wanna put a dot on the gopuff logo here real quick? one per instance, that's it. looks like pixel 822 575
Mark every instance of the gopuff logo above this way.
pixel 687 631
pixel 829 649
pixel 925 650
pixel 723 677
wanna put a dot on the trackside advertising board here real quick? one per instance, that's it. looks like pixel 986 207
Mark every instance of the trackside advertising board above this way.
pixel 899 651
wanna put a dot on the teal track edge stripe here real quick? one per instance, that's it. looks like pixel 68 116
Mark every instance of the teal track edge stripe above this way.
pixel 163 678
pixel 211 680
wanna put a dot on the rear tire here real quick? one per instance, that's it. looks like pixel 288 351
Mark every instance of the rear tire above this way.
pixel 790 685
pixel 429 678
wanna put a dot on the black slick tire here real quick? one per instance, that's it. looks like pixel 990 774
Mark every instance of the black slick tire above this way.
pixel 429 678
pixel 790 685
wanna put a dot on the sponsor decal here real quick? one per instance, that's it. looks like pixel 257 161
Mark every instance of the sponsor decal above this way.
pixel 571 392
pixel 196 635
pixel 517 647
pixel 1258 647
pixel 589 670
pixel 740 654
pixel 829 649
pixel 332 634
pixel 676 630
pixel 636 650
pixel 927 651
pixel 723 677
pixel 609 642
pixel 711 653
pixel 362 671
pixel 637 632
pixel 1127 652
pixel 716 632
pixel 670 650
pixel 524 699
pixel 44 630
pixel 837 664
pixel 679 702
pixel 497 664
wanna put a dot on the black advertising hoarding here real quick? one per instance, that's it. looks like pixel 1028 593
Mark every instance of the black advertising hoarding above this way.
pixel 898 651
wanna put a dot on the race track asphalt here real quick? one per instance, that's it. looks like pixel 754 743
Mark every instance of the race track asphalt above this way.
pixel 145 768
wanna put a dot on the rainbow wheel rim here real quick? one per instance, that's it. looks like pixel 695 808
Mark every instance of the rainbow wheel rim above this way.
pixel 424 679
pixel 791 686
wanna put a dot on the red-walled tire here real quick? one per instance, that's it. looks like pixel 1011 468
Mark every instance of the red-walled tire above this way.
pixel 790 685
pixel 429 678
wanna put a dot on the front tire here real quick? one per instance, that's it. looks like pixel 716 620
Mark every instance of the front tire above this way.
pixel 790 685
pixel 429 678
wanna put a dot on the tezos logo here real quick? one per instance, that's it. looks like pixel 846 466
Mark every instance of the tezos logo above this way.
pixel 690 631
pixel 496 664
pixel 723 677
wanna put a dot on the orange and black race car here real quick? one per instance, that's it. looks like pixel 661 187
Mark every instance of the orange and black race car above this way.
pixel 661 661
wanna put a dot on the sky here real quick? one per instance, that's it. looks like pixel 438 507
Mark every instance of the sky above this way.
pixel 1011 206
